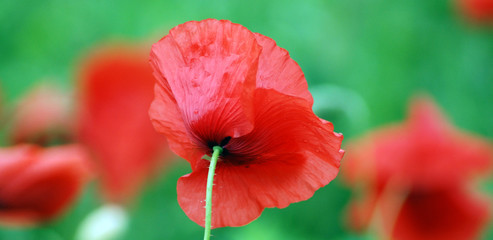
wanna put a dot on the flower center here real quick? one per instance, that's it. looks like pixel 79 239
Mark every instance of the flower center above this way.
pixel 224 142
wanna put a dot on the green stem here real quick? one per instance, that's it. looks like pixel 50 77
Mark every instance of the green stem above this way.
pixel 216 151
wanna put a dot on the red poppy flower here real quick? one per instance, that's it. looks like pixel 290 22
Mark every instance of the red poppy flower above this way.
pixel 37 184
pixel 116 87
pixel 220 84
pixel 42 116
pixel 477 10
pixel 416 176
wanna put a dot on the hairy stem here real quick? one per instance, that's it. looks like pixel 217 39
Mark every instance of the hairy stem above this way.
pixel 216 151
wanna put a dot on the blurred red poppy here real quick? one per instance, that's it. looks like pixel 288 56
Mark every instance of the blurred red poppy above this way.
pixel 37 184
pixel 480 11
pixel 115 90
pixel 416 176
pixel 43 117
pixel 220 84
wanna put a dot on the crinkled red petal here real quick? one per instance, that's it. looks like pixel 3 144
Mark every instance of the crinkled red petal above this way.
pixel 278 71
pixel 208 69
pixel 166 118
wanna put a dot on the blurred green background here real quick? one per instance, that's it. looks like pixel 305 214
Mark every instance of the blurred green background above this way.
pixel 363 60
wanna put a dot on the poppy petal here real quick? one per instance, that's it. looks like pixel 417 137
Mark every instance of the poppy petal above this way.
pixel 13 161
pixel 427 117
pixel 209 68
pixel 232 202
pixel 116 89
pixel 453 214
pixel 425 139
pixel 287 124
pixel 431 136
pixel 278 71
pixel 166 118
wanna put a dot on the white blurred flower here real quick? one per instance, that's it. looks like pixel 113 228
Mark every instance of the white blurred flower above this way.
pixel 108 222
